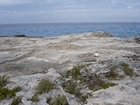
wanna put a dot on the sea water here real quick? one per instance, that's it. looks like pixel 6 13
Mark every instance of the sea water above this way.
pixel 122 30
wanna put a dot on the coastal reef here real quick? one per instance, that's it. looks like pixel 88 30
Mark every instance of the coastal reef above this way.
pixel 80 69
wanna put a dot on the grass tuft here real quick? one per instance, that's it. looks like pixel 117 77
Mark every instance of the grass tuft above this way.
pixel 5 92
pixel 16 101
pixel 113 67
pixel 112 75
pixel 71 87
pixel 127 70
pixel 58 100
pixel 49 100
pixel 75 71
pixel 34 98
pixel 107 85
pixel 3 81
pixel 44 86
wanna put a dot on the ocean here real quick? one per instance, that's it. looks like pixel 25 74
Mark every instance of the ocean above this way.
pixel 122 30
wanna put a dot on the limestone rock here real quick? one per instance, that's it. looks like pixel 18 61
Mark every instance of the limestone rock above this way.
pixel 96 55
pixel 98 34
pixel 26 61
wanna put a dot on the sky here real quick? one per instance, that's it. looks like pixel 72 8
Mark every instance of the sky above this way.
pixel 66 11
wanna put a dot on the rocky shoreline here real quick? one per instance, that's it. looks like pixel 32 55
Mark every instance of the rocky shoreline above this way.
pixel 87 69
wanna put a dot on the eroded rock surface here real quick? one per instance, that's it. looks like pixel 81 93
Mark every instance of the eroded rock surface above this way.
pixel 26 61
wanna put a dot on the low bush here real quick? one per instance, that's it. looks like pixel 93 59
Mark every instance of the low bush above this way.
pixel 107 85
pixel 3 81
pixel 75 71
pixel 44 86
pixel 127 70
pixel 16 101
pixel 93 81
pixel 49 100
pixel 5 92
pixel 58 100
pixel 113 67
pixel 112 75
pixel 35 98
pixel 71 87
pixel 84 98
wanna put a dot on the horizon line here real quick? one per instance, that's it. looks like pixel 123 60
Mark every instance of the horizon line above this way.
pixel 62 23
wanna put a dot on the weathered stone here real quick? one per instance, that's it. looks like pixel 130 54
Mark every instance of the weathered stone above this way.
pixel 28 60
pixel 98 34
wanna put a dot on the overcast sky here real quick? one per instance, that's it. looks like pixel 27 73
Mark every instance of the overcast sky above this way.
pixel 52 11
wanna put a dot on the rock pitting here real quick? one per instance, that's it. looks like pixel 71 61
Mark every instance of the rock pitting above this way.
pixel 87 69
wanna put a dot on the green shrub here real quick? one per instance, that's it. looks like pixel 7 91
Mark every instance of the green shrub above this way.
pixel 3 81
pixel 71 87
pixel 75 71
pixel 127 70
pixel 113 67
pixel 49 100
pixel 44 86
pixel 12 92
pixel 93 81
pixel 107 85
pixel 5 92
pixel 124 65
pixel 34 98
pixel 16 101
pixel 112 75
pixel 84 98
pixel 122 76
pixel 60 100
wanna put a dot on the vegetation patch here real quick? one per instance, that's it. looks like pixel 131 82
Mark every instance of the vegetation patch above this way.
pixel 17 100
pixel 107 85
pixel 35 98
pixel 58 100
pixel 5 92
pixel 127 70
pixel 44 86
pixel 3 81
pixel 112 75
pixel 49 100
pixel 71 87
pixel 92 81
pixel 84 98
pixel 75 71
pixel 113 67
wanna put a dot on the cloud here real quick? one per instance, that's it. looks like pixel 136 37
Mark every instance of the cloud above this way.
pixel 129 7
pixel 14 2
pixel 114 1
pixel 68 10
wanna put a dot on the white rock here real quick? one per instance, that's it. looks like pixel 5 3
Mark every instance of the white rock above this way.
pixel 96 55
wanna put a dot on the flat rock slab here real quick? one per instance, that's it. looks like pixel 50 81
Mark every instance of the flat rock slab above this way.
pixel 26 60
pixel 24 55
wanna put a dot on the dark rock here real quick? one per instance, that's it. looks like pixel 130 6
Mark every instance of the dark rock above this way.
pixel 134 57
pixel 137 39
pixel 19 35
